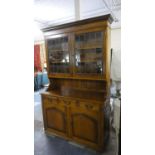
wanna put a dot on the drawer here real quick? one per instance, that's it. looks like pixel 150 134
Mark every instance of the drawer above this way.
pixel 50 100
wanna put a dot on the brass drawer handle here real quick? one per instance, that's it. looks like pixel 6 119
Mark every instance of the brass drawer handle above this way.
pixel 77 103
pixel 88 106
pixel 67 102
pixel 52 100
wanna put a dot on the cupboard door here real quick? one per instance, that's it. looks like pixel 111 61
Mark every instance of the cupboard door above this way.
pixel 84 123
pixel 58 54
pixel 55 116
pixel 89 53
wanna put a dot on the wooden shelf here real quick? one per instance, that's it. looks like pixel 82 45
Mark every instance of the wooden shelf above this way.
pixel 78 76
pixel 88 61
pixel 58 50
pixel 88 47
pixel 82 61
pixel 72 93
pixel 90 90
pixel 58 62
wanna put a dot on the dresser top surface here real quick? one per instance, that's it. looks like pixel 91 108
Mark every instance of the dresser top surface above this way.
pixel 107 17
pixel 76 94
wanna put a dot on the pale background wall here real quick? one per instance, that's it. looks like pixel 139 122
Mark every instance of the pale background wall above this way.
pixel 116 39
pixel 116 55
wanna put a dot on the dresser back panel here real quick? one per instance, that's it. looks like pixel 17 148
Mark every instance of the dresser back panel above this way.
pixel 78 84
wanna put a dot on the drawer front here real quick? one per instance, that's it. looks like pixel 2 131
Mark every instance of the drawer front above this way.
pixel 47 100
pixel 50 100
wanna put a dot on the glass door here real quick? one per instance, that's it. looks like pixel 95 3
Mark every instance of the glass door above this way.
pixel 58 55
pixel 88 58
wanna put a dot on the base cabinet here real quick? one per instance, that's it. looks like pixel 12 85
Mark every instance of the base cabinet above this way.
pixel 73 119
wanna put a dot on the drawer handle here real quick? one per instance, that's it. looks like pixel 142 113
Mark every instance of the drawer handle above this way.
pixel 88 106
pixel 77 104
pixel 53 98
pixel 66 102
pixel 53 101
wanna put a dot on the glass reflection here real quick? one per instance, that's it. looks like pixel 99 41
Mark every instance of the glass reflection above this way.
pixel 89 53
pixel 58 55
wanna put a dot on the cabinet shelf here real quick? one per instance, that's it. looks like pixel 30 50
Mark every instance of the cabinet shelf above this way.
pixel 78 76
pixel 58 50
pixel 88 47
pixel 76 93
pixel 59 62
pixel 89 61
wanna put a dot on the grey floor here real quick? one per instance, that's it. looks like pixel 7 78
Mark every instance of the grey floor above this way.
pixel 44 145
